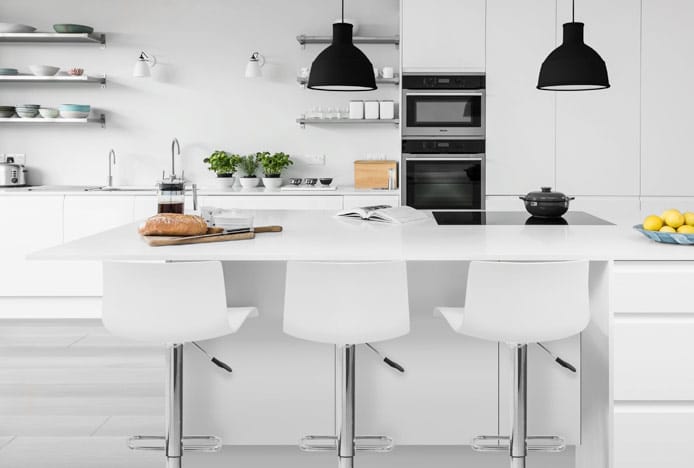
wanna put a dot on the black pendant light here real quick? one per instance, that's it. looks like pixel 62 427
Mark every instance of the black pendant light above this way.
pixel 342 66
pixel 573 66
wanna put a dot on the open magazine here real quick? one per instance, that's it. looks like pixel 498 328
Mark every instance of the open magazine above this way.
pixel 385 214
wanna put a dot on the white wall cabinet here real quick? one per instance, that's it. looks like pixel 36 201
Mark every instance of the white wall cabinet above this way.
pixel 597 132
pixel 446 35
pixel 667 74
pixel 520 119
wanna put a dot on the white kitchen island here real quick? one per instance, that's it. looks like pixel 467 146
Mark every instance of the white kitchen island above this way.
pixel 454 387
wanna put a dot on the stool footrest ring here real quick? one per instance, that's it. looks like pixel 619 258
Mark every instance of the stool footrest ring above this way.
pixel 317 443
pixel 190 443
pixel 534 444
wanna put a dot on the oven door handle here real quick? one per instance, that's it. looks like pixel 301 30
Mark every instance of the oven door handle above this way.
pixel 452 158
pixel 468 93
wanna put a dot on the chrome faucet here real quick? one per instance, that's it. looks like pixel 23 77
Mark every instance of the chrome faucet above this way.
pixel 111 164
pixel 175 145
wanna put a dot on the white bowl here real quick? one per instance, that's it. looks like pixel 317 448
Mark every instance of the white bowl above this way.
pixel 16 28
pixel 27 114
pixel 272 182
pixel 249 182
pixel 73 114
pixel 48 112
pixel 43 70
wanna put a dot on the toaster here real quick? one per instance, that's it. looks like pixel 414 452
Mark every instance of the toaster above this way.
pixel 12 174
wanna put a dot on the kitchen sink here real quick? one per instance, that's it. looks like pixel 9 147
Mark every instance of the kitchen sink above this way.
pixel 122 188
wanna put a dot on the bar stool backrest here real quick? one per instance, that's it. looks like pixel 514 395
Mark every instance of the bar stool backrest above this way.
pixel 165 303
pixel 526 302
pixel 346 303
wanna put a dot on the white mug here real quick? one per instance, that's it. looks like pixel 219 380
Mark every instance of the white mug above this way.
pixel 387 72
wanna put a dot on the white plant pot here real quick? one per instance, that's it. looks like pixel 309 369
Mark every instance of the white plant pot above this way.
pixel 272 182
pixel 249 182
pixel 225 182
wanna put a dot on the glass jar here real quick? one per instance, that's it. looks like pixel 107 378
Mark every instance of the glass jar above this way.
pixel 171 196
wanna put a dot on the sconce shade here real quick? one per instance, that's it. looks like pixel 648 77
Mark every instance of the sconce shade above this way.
pixel 342 66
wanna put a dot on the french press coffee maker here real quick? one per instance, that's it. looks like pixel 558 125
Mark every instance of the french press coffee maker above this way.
pixel 171 190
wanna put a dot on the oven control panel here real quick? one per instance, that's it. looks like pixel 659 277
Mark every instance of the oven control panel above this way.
pixel 443 81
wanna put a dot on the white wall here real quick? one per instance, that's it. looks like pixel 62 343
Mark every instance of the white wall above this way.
pixel 198 92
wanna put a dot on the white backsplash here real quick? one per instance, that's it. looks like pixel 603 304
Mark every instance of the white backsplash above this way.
pixel 197 92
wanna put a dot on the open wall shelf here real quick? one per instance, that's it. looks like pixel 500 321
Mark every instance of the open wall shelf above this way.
pixel 59 79
pixel 303 39
pixel 65 38
pixel 100 119
pixel 385 81
pixel 303 122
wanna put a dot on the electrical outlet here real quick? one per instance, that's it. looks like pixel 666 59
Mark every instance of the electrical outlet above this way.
pixel 315 159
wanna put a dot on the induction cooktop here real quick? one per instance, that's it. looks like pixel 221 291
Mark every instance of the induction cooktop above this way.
pixel 512 218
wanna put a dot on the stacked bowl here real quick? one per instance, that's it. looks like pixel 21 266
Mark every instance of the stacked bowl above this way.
pixel 27 111
pixel 74 111
pixel 6 111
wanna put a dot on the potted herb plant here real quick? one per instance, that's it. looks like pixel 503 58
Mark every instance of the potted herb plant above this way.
pixel 248 165
pixel 273 165
pixel 224 165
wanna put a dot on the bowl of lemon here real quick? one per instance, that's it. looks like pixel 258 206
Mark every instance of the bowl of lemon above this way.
pixel 671 227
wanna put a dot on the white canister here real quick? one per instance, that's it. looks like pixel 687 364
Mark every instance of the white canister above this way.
pixel 371 110
pixel 387 72
pixel 356 109
pixel 387 110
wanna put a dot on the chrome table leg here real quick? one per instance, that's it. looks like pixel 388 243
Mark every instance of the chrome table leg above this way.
pixel 520 395
pixel 174 405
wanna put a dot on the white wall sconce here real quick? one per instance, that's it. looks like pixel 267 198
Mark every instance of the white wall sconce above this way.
pixel 144 65
pixel 255 63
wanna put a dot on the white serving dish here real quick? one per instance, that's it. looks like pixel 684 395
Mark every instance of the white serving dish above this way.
pixel 16 28
pixel 73 114
pixel 44 70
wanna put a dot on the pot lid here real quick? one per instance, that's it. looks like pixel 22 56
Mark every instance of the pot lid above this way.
pixel 546 195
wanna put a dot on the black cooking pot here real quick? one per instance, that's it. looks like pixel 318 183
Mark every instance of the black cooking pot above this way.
pixel 546 204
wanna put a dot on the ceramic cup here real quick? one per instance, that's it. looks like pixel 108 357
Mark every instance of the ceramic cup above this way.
pixel 387 72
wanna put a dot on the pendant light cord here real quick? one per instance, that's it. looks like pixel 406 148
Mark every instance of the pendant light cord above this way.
pixel 343 11
pixel 573 10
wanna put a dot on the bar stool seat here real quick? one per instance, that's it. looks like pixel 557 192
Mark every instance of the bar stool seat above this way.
pixel 346 304
pixel 517 304
pixel 170 304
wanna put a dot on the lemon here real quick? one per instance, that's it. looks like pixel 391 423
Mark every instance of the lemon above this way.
pixel 674 219
pixel 667 229
pixel 667 212
pixel 685 229
pixel 689 218
pixel 652 223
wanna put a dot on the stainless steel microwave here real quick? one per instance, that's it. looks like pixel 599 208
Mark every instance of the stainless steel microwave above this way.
pixel 443 105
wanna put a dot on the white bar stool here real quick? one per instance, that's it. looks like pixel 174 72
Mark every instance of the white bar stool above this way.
pixel 170 304
pixel 521 303
pixel 346 304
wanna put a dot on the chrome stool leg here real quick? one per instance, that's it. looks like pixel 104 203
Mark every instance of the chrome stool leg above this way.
pixel 344 414
pixel 174 401
pixel 520 402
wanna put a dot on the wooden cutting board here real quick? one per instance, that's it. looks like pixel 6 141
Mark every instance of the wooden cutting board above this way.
pixel 213 235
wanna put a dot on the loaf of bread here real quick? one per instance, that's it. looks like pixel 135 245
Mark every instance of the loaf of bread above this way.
pixel 173 224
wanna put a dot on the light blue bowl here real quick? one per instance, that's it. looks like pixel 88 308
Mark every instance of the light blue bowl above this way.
pixel 666 237
pixel 75 107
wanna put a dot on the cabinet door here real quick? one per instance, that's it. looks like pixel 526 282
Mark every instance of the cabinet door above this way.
pixel 667 165
pixel 87 215
pixel 274 202
pixel 32 223
pixel 520 119
pixel 355 201
pixel 446 35
pixel 598 131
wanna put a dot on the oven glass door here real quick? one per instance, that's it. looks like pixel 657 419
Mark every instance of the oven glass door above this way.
pixel 460 110
pixel 441 183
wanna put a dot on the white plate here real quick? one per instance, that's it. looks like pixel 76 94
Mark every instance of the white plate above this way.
pixel 16 28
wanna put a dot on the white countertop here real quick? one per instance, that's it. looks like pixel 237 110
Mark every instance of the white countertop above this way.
pixel 319 235
pixel 77 190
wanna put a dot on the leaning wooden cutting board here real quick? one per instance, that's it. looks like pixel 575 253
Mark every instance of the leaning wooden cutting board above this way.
pixel 212 236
